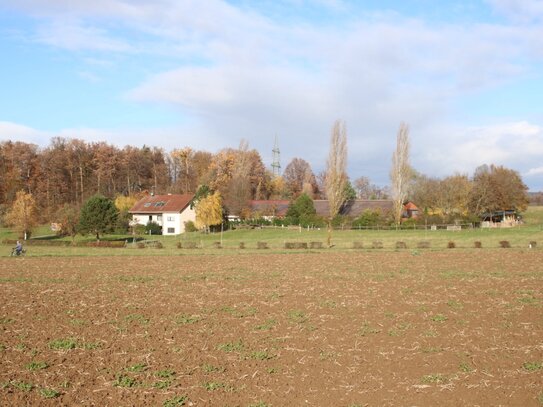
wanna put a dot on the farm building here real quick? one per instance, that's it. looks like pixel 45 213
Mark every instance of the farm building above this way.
pixel 269 209
pixel 169 211
pixel 352 209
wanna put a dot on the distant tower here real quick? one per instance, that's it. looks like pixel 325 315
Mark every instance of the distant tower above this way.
pixel 276 166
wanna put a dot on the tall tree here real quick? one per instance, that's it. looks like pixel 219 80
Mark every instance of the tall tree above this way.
pixel 238 193
pixel 23 215
pixel 400 173
pixel 298 174
pixel 336 173
pixel 497 188
pixel 98 216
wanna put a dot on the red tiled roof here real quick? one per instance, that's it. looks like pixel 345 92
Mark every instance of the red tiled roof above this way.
pixel 410 206
pixel 162 203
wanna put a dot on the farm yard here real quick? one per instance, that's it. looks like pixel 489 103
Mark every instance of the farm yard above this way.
pixel 248 328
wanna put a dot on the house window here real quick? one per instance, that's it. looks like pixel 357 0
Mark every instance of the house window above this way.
pixel 150 218
pixel 171 230
pixel 170 218
pixel 159 218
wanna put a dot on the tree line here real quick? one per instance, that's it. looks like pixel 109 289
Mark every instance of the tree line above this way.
pixel 68 172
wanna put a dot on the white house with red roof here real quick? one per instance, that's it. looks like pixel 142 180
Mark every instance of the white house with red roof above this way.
pixel 169 211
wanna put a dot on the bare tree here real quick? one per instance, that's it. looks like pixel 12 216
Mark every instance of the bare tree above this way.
pixel 400 173
pixel 336 176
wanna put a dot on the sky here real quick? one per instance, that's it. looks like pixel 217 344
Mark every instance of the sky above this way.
pixel 465 75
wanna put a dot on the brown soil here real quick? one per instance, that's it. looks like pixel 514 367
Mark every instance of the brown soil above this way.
pixel 317 329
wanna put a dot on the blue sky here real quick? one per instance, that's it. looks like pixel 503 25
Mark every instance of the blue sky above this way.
pixel 467 76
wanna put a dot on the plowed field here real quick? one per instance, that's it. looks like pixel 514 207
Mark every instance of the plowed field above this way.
pixel 446 328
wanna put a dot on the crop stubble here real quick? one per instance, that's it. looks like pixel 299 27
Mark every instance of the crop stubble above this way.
pixel 316 329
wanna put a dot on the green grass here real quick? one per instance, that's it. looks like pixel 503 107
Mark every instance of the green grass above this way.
pixel 176 401
pixel 231 346
pixel 37 365
pixel 63 344
pixel 532 366
pixel 49 393
pixel 519 237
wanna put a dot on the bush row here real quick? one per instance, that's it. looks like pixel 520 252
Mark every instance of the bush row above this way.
pixel 66 243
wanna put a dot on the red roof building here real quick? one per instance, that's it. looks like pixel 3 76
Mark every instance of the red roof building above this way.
pixel 169 211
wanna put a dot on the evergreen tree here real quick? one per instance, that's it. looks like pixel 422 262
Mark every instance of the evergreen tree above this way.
pixel 98 215
pixel 302 210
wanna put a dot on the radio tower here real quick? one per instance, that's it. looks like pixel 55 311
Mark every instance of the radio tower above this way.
pixel 276 166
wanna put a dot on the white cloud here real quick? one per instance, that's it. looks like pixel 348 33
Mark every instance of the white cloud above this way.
pixel 534 171
pixel 517 145
pixel 243 74
pixel 74 36
pixel 519 10
pixel 18 132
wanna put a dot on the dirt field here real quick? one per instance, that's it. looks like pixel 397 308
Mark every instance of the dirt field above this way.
pixel 451 328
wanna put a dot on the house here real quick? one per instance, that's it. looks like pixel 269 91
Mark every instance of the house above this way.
pixel 410 210
pixel 169 211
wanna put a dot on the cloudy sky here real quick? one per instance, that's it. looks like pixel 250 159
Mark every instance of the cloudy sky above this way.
pixel 466 75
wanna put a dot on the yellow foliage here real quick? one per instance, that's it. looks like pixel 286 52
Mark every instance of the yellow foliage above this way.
pixel 209 211
pixel 124 203
pixel 23 214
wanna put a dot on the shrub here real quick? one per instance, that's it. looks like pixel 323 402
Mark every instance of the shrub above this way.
pixel 505 244
pixel 179 245
pixel 242 245
pixel 139 229
pixel 105 243
pixel 190 245
pixel 216 245
pixel 141 245
pixel 190 226
pixel 532 245
pixel 315 245
pixel 262 245
pixel 368 218
pixel 478 245
pixel 408 224
pixel 153 228
pixel 377 245
pixel 401 245
pixel 451 245
pixel 159 245
pixel 358 245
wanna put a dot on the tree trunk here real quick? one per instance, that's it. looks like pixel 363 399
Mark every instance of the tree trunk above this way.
pixel 329 234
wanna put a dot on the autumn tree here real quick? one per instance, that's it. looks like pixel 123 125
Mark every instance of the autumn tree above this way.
pixel 68 218
pixel 497 188
pixel 98 216
pixel 453 195
pixel 209 211
pixel 336 173
pixel 366 190
pixel 23 215
pixel 299 178
pixel 400 172
pixel 238 193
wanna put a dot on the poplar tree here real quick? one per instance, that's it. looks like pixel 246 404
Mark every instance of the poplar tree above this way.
pixel 336 173
pixel 400 172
